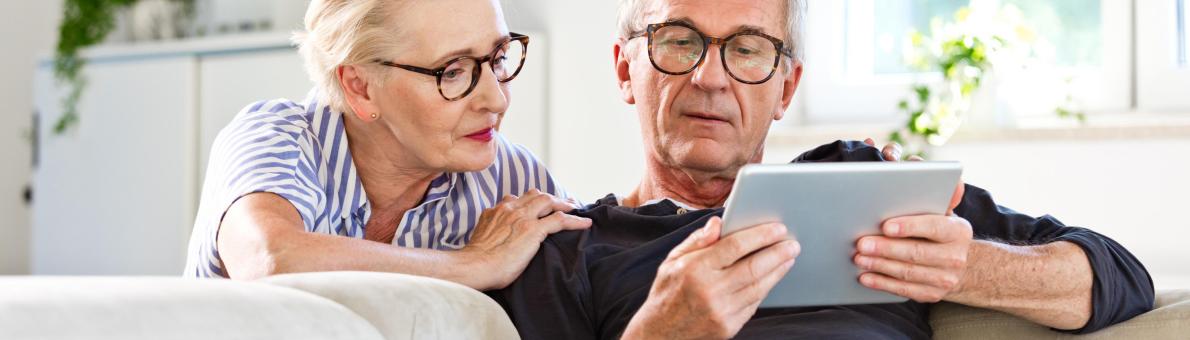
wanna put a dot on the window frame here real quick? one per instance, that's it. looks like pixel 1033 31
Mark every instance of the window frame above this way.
pixel 1162 81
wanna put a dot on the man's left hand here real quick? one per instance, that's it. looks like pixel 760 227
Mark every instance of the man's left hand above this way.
pixel 919 257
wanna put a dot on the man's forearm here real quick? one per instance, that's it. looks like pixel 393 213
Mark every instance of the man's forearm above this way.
pixel 1048 284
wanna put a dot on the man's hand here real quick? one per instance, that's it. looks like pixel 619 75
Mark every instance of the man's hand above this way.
pixel 892 151
pixel 918 257
pixel 709 287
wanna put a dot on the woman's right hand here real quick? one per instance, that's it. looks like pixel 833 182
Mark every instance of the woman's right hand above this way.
pixel 508 235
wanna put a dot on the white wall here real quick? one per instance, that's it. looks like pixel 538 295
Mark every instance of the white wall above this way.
pixel 595 144
pixel 27 28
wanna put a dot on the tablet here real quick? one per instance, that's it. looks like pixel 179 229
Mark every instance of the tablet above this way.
pixel 828 207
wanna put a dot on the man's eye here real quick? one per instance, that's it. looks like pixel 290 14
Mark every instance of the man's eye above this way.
pixel 677 42
pixel 745 51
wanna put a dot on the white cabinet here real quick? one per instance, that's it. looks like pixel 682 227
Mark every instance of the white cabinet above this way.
pixel 114 195
pixel 231 82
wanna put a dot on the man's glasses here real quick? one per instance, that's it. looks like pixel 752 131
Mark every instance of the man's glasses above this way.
pixel 459 76
pixel 750 57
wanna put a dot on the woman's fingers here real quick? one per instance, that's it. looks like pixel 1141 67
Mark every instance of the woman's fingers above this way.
pixel 559 221
pixel 540 205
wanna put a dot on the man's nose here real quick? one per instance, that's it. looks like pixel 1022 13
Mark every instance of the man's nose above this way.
pixel 711 75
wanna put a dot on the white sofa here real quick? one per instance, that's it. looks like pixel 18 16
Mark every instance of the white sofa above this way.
pixel 354 305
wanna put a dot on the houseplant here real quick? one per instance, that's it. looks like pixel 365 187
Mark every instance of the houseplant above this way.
pixel 964 52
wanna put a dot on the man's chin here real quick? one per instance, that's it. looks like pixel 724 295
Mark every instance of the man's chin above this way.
pixel 707 158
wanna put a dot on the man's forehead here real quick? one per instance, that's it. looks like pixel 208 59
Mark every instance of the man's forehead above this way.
pixel 719 16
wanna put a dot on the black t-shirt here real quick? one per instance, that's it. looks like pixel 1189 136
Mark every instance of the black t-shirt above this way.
pixel 588 284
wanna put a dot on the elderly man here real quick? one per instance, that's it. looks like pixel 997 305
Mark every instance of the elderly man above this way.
pixel 707 79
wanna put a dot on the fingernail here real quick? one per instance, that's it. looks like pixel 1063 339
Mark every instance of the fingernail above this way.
pixel 863 262
pixel 867 246
pixel 893 229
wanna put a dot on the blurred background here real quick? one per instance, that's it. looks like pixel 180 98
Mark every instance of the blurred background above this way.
pixel 1075 108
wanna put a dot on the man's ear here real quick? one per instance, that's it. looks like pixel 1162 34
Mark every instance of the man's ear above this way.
pixel 623 71
pixel 789 88
pixel 355 92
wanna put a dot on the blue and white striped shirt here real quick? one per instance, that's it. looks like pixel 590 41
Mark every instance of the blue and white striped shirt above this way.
pixel 299 152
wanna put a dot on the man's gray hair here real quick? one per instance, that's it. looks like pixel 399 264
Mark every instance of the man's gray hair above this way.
pixel 632 12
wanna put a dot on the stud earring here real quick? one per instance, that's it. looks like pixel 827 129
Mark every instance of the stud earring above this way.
pixel 374 116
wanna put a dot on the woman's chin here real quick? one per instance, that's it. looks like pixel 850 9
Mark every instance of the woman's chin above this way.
pixel 474 161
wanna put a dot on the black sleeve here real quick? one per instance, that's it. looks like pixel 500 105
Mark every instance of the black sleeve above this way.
pixel 1121 288
pixel 547 301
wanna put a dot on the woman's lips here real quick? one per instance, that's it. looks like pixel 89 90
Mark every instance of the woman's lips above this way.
pixel 484 135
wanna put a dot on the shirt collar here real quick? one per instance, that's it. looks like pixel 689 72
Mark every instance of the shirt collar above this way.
pixel 328 126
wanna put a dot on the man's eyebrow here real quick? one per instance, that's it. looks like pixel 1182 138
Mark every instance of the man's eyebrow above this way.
pixel 740 28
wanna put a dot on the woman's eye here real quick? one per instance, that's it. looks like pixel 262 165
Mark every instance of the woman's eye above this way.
pixel 452 74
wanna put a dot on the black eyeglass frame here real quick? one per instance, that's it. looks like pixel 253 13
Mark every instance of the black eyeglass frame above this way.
pixel 478 71
pixel 706 44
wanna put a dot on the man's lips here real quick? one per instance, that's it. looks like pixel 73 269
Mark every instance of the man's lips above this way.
pixel 707 116
pixel 483 135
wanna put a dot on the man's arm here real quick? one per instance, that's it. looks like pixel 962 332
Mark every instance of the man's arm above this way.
pixel 1048 284
pixel 1036 268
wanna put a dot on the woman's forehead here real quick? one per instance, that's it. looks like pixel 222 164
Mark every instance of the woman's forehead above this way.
pixel 441 29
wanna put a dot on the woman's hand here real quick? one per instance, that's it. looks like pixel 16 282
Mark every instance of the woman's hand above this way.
pixel 509 234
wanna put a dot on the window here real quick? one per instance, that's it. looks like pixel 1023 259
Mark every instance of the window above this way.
pixel 1071 30
pixel 1183 38
pixel 855 69
pixel 1162 68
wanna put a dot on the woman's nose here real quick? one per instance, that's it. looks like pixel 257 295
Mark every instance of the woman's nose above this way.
pixel 489 98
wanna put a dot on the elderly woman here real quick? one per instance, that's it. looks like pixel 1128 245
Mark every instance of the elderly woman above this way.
pixel 392 164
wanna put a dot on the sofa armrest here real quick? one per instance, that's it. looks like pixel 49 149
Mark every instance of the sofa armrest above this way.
pixel 407 306
pixel 1170 319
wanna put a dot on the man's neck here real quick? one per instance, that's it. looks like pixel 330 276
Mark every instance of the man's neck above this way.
pixel 696 189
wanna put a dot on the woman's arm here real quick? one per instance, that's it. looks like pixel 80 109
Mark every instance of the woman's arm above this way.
pixel 262 235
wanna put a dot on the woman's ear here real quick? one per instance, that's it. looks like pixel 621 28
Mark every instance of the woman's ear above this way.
pixel 623 71
pixel 356 92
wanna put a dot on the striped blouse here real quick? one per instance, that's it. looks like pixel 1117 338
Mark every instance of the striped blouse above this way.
pixel 299 152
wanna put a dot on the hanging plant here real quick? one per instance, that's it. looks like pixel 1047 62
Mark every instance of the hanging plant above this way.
pixel 85 23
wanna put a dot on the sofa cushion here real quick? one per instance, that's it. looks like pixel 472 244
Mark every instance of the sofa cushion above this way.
pixel 168 308
pixel 1169 320
pixel 409 307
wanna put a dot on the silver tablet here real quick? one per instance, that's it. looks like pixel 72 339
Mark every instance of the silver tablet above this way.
pixel 828 207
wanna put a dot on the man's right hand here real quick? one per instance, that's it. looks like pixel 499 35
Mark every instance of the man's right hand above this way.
pixel 709 287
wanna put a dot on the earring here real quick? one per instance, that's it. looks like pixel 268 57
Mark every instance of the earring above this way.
pixel 374 116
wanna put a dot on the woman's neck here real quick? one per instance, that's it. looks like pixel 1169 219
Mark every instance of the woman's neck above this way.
pixel 391 179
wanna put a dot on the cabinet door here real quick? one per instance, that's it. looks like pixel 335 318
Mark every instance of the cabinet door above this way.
pixel 115 195
pixel 230 82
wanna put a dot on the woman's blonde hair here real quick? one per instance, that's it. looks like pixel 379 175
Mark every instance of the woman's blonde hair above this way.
pixel 344 32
